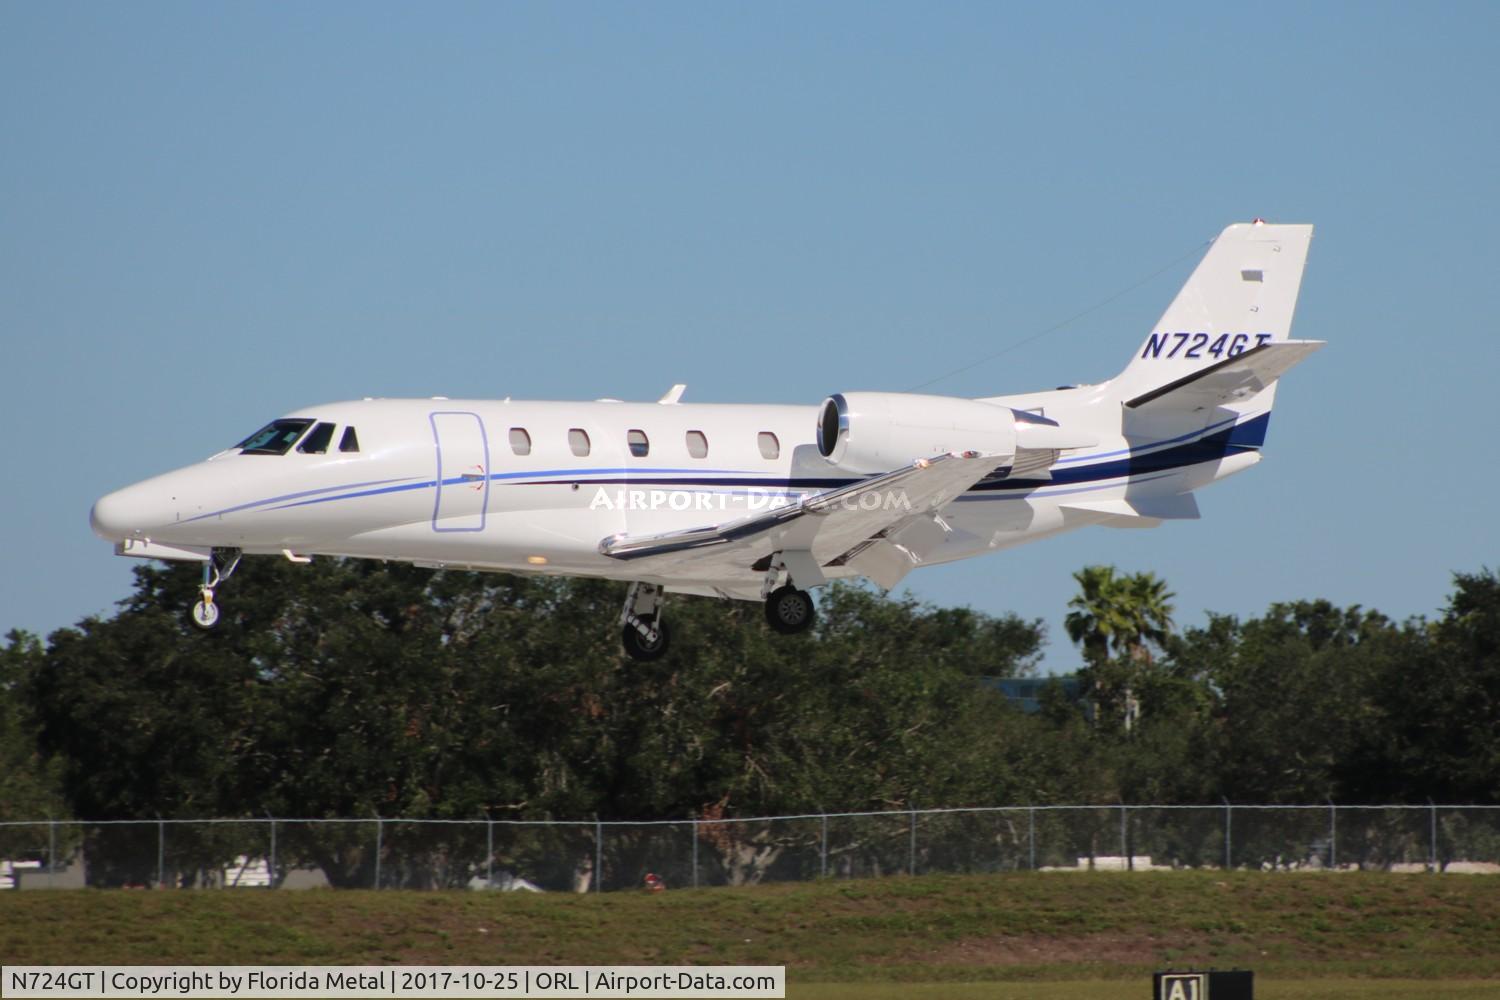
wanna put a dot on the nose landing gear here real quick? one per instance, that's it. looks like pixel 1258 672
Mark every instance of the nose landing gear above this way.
pixel 220 566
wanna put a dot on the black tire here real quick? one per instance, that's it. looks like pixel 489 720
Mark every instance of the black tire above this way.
pixel 789 610
pixel 637 648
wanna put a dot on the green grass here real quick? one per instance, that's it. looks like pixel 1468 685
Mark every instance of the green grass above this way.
pixel 1010 936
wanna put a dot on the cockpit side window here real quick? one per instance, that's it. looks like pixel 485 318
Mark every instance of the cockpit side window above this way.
pixel 316 443
pixel 276 438
pixel 350 440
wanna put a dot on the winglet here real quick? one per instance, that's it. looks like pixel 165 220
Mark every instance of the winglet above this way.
pixel 674 395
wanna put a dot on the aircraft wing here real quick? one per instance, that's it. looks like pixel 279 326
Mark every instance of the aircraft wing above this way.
pixel 872 526
pixel 1229 380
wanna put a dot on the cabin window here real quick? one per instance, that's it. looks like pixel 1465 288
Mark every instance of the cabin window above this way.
pixel 350 440
pixel 697 444
pixel 578 440
pixel 640 445
pixel 316 442
pixel 276 438
pixel 770 447
pixel 520 441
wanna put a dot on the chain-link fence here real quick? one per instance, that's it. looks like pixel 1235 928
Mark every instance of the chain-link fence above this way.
pixel 597 856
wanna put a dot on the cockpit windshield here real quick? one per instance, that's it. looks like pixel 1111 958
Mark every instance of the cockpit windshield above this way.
pixel 276 438
pixel 316 442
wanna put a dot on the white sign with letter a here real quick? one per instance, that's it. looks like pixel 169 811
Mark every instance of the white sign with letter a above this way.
pixel 1183 986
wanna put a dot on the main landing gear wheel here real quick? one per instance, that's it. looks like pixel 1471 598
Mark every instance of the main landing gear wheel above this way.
pixel 644 633
pixel 789 610
pixel 642 647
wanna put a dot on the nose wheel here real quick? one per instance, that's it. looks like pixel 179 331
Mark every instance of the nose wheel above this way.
pixel 221 564
pixel 206 612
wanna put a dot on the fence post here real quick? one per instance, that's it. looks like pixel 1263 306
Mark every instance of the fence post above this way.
pixel 1228 835
pixel 1432 816
pixel 823 847
pixel 271 882
pixel 1333 835
pixel 912 847
pixel 1125 837
pixel 1031 833
pixel 379 846
pixel 51 850
pixel 694 821
pixel 161 853
pixel 598 854
pixel 489 853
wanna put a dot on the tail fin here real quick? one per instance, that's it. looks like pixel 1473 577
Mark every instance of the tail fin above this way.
pixel 1240 297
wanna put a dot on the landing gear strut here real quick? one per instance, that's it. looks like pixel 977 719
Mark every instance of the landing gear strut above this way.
pixel 220 566
pixel 643 632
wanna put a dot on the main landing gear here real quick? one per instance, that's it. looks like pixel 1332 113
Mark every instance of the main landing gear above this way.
pixel 219 567
pixel 643 631
pixel 789 610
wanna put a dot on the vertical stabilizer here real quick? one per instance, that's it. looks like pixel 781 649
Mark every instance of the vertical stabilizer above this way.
pixel 1242 295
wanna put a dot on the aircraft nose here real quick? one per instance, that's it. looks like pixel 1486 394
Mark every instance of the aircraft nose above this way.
pixel 119 515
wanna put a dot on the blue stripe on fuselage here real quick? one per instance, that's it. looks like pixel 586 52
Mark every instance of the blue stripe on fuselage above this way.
pixel 309 493
pixel 1153 446
pixel 1210 448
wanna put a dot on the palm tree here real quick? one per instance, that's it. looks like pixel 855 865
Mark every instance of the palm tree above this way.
pixel 1095 618
pixel 1146 604
pixel 1123 614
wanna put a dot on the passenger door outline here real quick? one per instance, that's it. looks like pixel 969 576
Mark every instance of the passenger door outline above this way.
pixel 462 484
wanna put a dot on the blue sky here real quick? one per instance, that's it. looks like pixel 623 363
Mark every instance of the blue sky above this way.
pixel 214 213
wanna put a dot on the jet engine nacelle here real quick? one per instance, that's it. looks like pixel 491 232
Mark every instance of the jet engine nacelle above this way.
pixel 873 432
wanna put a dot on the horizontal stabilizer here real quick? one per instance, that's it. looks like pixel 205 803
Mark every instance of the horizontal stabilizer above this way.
pixel 1229 381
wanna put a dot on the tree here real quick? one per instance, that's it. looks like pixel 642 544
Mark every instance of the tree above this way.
pixel 30 781
pixel 1123 615
pixel 1146 608
pixel 1443 700
pixel 362 689
pixel 1293 698
pixel 1095 619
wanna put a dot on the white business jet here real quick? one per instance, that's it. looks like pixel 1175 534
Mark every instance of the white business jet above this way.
pixel 747 501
